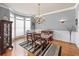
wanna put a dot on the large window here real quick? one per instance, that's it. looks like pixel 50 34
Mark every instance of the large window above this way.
pixel 19 26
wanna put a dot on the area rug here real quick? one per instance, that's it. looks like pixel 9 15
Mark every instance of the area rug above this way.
pixel 49 50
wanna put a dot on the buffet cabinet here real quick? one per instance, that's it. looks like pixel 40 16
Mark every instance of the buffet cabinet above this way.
pixel 5 35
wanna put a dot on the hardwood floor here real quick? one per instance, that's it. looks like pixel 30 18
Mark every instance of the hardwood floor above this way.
pixel 17 49
pixel 68 49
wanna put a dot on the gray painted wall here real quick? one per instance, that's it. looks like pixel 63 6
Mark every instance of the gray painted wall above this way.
pixel 32 24
pixel 77 33
pixel 4 12
pixel 76 10
pixel 52 21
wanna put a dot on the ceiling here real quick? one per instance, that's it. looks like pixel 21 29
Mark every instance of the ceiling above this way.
pixel 32 8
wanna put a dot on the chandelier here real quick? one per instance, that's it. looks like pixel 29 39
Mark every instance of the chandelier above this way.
pixel 38 18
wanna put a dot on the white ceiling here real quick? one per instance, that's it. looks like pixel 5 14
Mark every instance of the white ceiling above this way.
pixel 31 8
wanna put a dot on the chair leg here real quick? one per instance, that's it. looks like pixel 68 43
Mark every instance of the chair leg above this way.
pixel 32 44
pixel 35 45
pixel 27 41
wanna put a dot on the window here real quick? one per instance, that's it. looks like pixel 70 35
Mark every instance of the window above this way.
pixel 28 24
pixel 19 26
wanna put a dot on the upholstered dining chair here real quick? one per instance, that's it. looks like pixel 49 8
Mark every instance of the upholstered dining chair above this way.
pixel 46 34
pixel 39 41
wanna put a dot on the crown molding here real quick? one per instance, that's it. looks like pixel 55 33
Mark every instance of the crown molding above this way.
pixel 4 6
pixel 62 10
pixel 76 5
